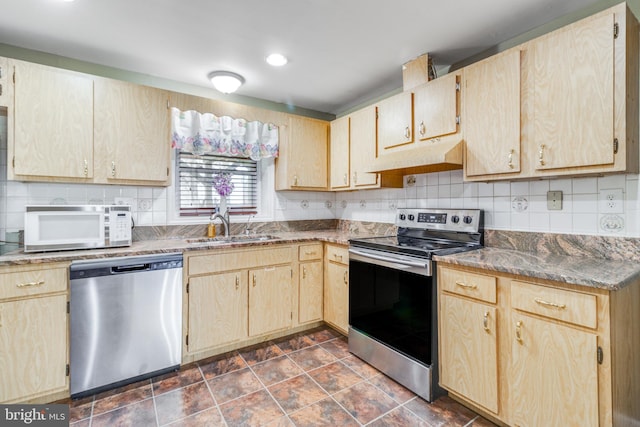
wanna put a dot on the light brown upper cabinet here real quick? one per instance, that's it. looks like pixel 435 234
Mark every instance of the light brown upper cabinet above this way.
pixel 492 115
pixel 302 163
pixel 53 124
pixel 576 94
pixel 436 107
pixel 131 133
pixel 353 150
pixel 395 123
pixel 5 87
pixel 339 166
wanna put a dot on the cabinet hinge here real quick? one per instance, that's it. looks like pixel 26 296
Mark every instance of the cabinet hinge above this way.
pixel 167 171
pixel 600 355
pixel 13 162
pixel 616 30
pixel 615 145
pixel 14 76
pixel 67 370
pixel 187 340
pixel 291 272
pixel 68 307
pixel 168 105
pixel 292 315
pixel 187 287
pixel 457 87
pixel 457 120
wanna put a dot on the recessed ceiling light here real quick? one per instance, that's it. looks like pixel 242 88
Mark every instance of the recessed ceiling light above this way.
pixel 226 81
pixel 277 60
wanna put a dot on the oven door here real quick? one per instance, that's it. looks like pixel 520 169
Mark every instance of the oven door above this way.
pixel 391 299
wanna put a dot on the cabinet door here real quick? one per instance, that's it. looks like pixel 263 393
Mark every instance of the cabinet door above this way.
pixel 310 292
pixel 395 122
pixel 469 350
pixel 218 309
pixel 35 332
pixel 269 299
pixel 336 296
pixel 573 95
pixel 363 147
pixel 436 107
pixel 492 115
pixel 554 374
pixel 340 153
pixel 307 153
pixel 132 132
pixel 53 122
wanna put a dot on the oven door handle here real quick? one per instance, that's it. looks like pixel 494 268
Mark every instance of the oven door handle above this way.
pixel 357 255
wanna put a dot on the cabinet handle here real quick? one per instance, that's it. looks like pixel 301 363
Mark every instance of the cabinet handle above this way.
pixel 511 158
pixel 113 169
pixel 338 257
pixel 519 331
pixel 86 168
pixel 238 282
pixel 295 180
pixel 0 90
pixel 344 178
pixel 541 154
pixel 485 321
pixel 254 280
pixel 355 177
pixel 422 128
pixel 304 272
pixel 464 285
pixel 550 304
pixel 345 277
pixel 30 284
pixel 407 132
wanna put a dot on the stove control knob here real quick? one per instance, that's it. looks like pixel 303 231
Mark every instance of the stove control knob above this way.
pixel 455 219
pixel 411 217
pixel 403 217
pixel 467 219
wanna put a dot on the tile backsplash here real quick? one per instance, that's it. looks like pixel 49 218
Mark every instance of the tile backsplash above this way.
pixel 593 205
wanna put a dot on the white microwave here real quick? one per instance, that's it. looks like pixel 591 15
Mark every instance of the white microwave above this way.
pixel 55 228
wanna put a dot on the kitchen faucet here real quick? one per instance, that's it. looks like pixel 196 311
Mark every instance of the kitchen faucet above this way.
pixel 225 220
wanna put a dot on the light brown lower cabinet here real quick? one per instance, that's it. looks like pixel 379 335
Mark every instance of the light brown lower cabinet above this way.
pixel 33 333
pixel 311 283
pixel 531 352
pixel 270 299
pixel 336 287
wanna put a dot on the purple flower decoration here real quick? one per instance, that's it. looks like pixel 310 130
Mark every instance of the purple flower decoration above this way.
pixel 223 184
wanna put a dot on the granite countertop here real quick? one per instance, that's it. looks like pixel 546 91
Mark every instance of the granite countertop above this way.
pixel 148 247
pixel 592 272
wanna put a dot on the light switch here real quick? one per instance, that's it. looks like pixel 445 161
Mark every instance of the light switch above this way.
pixel 554 200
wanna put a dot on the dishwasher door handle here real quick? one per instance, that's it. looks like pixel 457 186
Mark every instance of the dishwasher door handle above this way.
pixel 129 268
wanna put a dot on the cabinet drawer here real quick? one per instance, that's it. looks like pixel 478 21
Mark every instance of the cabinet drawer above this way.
pixel 228 261
pixel 22 282
pixel 309 252
pixel 569 306
pixel 339 254
pixel 472 285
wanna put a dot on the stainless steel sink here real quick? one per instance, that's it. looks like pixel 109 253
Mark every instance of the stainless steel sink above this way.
pixel 233 239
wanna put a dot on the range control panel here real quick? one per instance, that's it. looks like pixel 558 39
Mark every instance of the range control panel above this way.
pixel 467 220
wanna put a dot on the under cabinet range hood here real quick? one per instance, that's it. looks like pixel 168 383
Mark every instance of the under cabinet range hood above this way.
pixel 427 157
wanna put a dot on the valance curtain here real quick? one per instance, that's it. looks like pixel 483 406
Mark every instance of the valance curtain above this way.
pixel 206 133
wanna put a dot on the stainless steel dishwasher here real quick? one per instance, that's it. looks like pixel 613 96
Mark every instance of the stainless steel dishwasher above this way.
pixel 126 320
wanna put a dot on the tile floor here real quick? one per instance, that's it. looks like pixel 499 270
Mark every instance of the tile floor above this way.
pixel 307 379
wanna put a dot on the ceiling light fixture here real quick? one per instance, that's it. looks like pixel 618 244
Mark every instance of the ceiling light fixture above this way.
pixel 276 59
pixel 226 81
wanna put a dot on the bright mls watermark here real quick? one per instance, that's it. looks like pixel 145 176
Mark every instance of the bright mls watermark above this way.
pixel 53 415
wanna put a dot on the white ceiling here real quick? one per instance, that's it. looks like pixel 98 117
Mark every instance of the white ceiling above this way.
pixel 341 52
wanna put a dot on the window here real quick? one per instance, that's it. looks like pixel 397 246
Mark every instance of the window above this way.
pixel 196 195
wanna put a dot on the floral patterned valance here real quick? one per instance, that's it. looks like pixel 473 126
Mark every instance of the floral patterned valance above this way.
pixel 206 133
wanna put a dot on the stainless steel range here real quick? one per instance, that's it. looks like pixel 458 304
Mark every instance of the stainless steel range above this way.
pixel 392 293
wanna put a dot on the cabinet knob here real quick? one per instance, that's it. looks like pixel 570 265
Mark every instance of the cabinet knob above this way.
pixel 422 129
pixel 86 168
pixel 407 132
pixel 541 154
pixel 511 158
pixel 295 180
pixel 485 321
pixel 237 282
pixel 304 272
pixel 254 281
pixel 519 331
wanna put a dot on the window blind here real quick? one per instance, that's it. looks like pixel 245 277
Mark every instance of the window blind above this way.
pixel 196 193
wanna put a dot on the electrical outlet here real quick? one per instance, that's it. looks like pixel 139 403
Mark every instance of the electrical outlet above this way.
pixel 554 200
pixel 611 201
pixel 123 201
